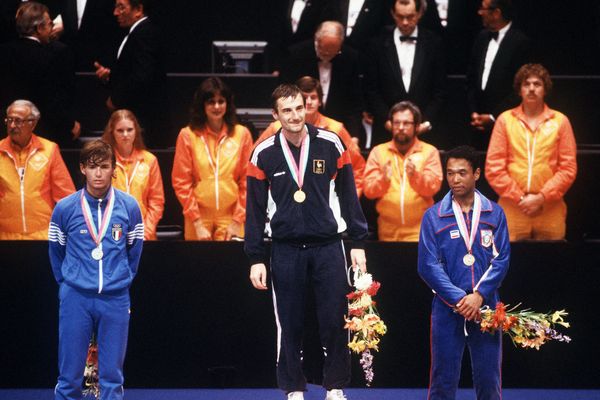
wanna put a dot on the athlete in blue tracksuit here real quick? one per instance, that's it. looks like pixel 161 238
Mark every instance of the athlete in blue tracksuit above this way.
pixel 463 280
pixel 306 229
pixel 95 244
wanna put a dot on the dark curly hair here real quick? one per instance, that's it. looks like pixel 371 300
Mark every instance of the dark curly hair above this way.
pixel 537 70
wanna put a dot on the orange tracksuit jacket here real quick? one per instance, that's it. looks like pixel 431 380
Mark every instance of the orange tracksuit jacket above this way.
pixel 209 178
pixel 323 122
pixel 402 201
pixel 521 161
pixel 32 181
pixel 140 177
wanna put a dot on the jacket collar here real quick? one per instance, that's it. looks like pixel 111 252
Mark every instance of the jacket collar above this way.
pixel 445 206
pixel 34 144
pixel 518 113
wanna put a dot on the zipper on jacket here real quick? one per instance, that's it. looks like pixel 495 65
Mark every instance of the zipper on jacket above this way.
pixel 21 173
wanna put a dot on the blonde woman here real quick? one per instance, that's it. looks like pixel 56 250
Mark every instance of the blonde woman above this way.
pixel 137 172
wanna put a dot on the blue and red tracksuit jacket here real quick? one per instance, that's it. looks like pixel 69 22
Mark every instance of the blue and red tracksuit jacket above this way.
pixel 441 251
pixel 331 206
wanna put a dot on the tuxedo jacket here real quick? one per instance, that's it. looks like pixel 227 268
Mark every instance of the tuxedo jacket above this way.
pixel 373 15
pixel 41 74
pixel 281 36
pixel 383 78
pixel 499 95
pixel 138 82
pixel 344 100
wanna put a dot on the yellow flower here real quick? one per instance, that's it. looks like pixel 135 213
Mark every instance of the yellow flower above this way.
pixel 557 318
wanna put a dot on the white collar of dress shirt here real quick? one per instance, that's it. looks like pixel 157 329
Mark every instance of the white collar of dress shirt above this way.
pixel 33 38
pixel 502 32
pixel 137 23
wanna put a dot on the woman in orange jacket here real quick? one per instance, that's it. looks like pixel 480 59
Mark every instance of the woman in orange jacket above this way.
pixel 137 172
pixel 209 170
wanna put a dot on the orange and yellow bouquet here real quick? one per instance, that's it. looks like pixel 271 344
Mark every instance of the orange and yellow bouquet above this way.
pixel 364 322
pixel 90 374
pixel 526 328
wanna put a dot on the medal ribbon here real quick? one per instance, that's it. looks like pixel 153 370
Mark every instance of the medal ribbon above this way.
pixel 462 225
pixel 297 171
pixel 97 235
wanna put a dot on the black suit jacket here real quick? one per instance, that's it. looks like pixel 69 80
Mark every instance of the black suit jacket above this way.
pixel 344 100
pixel 373 16
pixel 281 36
pixel 499 95
pixel 383 80
pixel 39 73
pixel 98 36
pixel 138 83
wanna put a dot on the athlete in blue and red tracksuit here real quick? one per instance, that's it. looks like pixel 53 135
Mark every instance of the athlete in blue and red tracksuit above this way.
pixel 306 229
pixel 95 244
pixel 464 277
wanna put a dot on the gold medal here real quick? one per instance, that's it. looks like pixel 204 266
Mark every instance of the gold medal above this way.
pixel 469 259
pixel 299 196
pixel 97 254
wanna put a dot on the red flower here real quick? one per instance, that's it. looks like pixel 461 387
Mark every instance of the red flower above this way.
pixel 356 312
pixel 354 295
pixel 372 290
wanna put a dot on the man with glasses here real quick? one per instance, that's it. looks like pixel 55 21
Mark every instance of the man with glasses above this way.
pixel 33 176
pixel 405 63
pixel 403 175
pixel 137 80
pixel 498 52
pixel 33 68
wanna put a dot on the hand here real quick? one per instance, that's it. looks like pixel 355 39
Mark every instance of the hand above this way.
pixel 109 104
pixel 531 204
pixel 201 232
pixel 258 276
pixel 424 127
pixel 102 72
pixel 367 117
pixel 410 167
pixel 358 259
pixel 481 121
pixel 233 230
pixel 469 306
pixel 387 170
pixel 76 130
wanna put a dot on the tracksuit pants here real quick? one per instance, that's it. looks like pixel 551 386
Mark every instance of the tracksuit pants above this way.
pixel 81 313
pixel 324 266
pixel 448 342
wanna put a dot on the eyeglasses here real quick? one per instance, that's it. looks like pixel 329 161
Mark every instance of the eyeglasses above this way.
pixel 17 121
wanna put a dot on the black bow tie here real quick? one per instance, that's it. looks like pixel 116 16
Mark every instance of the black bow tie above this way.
pixel 493 35
pixel 408 38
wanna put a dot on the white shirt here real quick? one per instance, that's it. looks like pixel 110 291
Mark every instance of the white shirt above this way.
pixel 406 55
pixel 490 55
pixel 354 7
pixel 80 9
pixel 325 78
pixel 297 10
pixel 125 39
pixel 442 8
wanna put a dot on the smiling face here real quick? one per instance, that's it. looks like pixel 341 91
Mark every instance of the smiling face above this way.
pixel 461 177
pixel 291 113
pixel 126 14
pixel 215 108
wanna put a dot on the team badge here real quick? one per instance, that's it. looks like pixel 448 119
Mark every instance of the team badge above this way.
pixel 319 166
pixel 38 161
pixel 117 232
pixel 487 237
pixel 455 234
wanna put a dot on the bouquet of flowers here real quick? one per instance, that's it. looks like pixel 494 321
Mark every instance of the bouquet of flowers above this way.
pixel 526 328
pixel 90 374
pixel 364 322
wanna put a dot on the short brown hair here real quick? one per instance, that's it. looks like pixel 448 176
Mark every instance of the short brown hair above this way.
pixel 528 70
pixel 284 91
pixel 307 84
pixel 95 152
pixel 109 131
pixel 407 105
